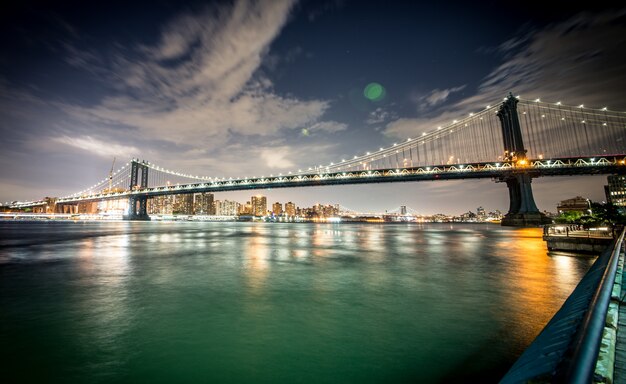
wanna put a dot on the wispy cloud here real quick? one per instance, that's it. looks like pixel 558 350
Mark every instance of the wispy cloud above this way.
pixel 328 126
pixel 98 147
pixel 379 115
pixel 200 85
pixel 577 61
pixel 438 96
pixel 277 158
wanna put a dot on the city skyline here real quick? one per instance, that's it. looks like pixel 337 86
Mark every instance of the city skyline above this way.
pixel 243 88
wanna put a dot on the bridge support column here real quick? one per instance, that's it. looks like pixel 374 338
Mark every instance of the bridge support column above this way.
pixel 137 209
pixel 138 205
pixel 523 211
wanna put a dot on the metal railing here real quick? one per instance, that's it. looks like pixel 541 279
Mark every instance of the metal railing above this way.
pixel 579 365
pixel 566 350
pixel 578 230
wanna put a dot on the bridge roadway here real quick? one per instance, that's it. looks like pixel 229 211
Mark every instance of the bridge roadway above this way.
pixel 614 164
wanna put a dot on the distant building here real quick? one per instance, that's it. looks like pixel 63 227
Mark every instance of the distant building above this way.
pixel 480 212
pixel 259 205
pixel 575 204
pixel 182 204
pixel 277 209
pixel 290 209
pixel 616 190
pixel 203 204
pixel 245 209
pixel 226 208
pixel 160 205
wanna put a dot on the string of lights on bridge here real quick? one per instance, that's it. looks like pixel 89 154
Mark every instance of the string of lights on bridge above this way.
pixel 426 137
pixel 459 138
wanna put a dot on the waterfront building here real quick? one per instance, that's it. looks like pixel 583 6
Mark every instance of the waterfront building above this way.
pixel 182 204
pixel 258 204
pixel 575 204
pixel 616 190
pixel 203 204
pixel 160 205
pixel 277 209
pixel 226 208
pixel 290 209
pixel 245 209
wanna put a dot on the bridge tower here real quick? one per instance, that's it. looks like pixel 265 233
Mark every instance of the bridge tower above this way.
pixel 523 211
pixel 138 205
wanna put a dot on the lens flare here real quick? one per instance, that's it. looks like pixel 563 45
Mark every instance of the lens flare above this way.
pixel 374 92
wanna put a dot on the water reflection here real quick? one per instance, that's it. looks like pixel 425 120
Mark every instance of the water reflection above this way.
pixel 276 302
pixel 256 257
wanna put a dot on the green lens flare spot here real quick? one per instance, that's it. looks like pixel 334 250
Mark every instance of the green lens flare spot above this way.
pixel 374 92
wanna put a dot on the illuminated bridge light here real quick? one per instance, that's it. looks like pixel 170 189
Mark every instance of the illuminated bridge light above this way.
pixel 604 109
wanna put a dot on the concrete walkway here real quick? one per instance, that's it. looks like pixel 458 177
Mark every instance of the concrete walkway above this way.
pixel 619 373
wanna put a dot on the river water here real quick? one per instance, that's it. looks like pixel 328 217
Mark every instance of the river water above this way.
pixel 164 302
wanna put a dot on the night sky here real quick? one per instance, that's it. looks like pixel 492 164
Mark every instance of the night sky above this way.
pixel 247 88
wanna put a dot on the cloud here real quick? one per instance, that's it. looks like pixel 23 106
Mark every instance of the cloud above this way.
pixel 379 115
pixel 276 158
pixel 438 96
pixel 577 61
pixel 98 147
pixel 199 85
pixel 328 126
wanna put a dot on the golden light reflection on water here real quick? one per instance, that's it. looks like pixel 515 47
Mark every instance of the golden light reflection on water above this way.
pixel 535 279
pixel 104 266
pixel 256 262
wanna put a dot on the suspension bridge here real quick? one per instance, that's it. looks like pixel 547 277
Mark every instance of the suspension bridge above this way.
pixel 512 142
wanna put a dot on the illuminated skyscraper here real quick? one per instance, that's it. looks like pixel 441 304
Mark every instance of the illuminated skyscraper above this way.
pixel 203 204
pixel 226 208
pixel 290 209
pixel 183 204
pixel 277 209
pixel 259 205
pixel 616 190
